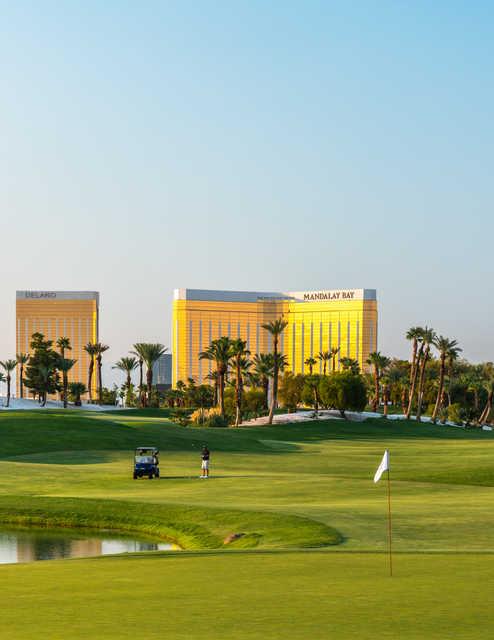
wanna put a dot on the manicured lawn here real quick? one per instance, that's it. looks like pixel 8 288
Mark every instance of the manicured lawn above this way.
pixel 299 596
pixel 285 487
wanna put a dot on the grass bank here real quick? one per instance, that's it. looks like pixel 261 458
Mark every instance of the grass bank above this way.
pixel 189 527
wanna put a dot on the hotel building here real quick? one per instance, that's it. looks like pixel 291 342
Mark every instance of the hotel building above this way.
pixel 317 321
pixel 56 314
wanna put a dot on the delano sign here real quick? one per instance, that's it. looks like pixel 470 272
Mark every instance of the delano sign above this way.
pixel 41 294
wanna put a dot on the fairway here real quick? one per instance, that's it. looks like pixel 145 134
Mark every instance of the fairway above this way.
pixel 286 488
pixel 244 596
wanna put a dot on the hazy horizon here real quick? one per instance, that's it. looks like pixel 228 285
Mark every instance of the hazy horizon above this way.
pixel 249 147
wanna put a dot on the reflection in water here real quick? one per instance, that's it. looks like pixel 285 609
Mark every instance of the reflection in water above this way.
pixel 31 545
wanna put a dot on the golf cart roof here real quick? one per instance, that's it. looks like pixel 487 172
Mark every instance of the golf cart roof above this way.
pixel 153 449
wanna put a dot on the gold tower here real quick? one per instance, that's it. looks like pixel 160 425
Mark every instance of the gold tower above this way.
pixel 56 314
pixel 317 321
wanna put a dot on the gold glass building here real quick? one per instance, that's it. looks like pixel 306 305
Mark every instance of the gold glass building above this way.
pixel 56 314
pixel 317 321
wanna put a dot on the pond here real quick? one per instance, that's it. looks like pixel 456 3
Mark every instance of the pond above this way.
pixel 29 545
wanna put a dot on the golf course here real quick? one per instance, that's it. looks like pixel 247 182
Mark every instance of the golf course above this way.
pixel 290 516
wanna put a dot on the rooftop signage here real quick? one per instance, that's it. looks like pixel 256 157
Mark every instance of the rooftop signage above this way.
pixel 57 295
pixel 41 294
pixel 334 294
pixel 257 296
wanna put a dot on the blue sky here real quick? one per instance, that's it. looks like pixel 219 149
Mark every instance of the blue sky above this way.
pixel 250 145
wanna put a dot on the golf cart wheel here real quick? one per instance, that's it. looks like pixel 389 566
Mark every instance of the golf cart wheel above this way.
pixel 151 476
pixel 135 476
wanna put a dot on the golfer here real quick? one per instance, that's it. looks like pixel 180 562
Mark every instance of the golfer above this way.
pixel 205 462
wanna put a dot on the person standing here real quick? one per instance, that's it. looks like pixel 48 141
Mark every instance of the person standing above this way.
pixel 205 455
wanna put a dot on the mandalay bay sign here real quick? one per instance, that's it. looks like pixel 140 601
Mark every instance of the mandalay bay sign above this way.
pixel 334 295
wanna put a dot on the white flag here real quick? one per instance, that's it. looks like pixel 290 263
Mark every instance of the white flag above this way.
pixel 384 466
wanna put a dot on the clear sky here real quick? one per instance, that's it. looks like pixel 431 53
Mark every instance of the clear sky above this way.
pixel 250 145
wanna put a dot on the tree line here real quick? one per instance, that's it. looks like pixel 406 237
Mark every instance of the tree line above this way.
pixel 435 380
pixel 45 371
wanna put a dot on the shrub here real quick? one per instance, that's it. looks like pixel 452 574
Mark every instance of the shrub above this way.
pixel 290 390
pixel 208 418
pixel 180 416
pixel 430 409
pixel 443 415
pixel 344 391
pixel 229 400
pixel 456 413
pixel 109 396
pixel 310 391
pixel 253 403
pixel 217 421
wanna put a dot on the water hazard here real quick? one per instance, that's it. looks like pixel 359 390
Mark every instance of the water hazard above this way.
pixel 29 545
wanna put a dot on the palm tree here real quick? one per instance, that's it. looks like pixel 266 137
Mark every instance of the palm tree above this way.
pixel 275 328
pixel 45 372
pixel 379 363
pixel 398 381
pixel 385 380
pixel 219 351
pixel 415 334
pixel 239 354
pixel 100 350
pixel 150 352
pixel 349 364
pixel 310 362
pixel 64 344
pixel 65 365
pixel 76 389
pixel 448 349
pixel 263 364
pixel 22 359
pixel 91 348
pixel 334 352
pixel 489 387
pixel 312 383
pixel 181 391
pixel 324 357
pixel 428 337
pixel 141 368
pixel 8 366
pixel 213 377
pixel 127 365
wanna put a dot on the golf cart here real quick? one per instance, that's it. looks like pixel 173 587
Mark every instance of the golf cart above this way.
pixel 146 463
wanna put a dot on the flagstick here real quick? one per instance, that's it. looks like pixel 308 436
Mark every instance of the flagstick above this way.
pixel 389 527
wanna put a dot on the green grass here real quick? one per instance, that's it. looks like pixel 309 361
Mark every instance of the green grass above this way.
pixel 189 527
pixel 285 487
pixel 243 596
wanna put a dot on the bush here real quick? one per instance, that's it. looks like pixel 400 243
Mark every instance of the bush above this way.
pixel 154 399
pixel 217 421
pixel 208 418
pixel 229 400
pixel 430 409
pixel 344 391
pixel 443 415
pixel 253 403
pixel 180 416
pixel 109 396
pixel 456 413
pixel 290 390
